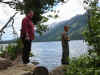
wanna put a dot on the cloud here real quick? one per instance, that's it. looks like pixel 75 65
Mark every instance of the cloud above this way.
pixel 68 10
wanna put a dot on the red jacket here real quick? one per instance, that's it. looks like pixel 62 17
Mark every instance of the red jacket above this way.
pixel 27 28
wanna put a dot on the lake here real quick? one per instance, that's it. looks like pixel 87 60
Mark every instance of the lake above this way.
pixel 49 54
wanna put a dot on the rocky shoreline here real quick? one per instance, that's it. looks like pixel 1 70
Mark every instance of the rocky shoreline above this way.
pixel 7 68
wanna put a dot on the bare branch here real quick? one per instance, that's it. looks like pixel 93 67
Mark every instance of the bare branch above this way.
pixel 0 0
pixel 14 32
pixel 2 29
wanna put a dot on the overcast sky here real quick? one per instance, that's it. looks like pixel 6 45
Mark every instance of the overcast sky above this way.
pixel 67 11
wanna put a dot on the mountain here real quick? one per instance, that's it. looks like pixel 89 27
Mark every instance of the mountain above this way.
pixel 76 24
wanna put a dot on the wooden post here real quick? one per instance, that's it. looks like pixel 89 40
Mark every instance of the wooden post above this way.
pixel 65 46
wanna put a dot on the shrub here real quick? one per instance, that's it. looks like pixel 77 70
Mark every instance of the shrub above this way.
pixel 84 65
pixel 12 50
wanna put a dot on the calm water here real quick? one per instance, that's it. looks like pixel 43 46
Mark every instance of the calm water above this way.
pixel 49 54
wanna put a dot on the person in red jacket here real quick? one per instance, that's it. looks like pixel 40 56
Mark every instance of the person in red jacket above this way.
pixel 27 35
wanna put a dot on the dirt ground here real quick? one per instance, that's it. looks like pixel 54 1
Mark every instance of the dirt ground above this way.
pixel 19 69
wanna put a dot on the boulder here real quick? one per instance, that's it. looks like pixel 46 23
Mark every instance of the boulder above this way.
pixel 4 63
pixel 58 71
pixel 40 70
pixel 19 69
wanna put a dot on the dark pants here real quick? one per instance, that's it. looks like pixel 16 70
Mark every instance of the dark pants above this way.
pixel 26 50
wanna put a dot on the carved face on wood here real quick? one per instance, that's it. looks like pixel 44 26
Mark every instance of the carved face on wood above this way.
pixel 66 28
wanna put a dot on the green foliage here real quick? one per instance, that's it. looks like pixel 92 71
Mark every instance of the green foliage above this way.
pixel 84 65
pixel 2 52
pixel 41 27
pixel 31 55
pixel 9 52
pixel 13 50
pixel 88 64
pixel 92 34
pixel 39 7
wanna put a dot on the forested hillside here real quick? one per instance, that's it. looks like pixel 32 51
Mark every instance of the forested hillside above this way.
pixel 76 24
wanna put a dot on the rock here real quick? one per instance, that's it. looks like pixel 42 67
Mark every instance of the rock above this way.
pixel 28 69
pixel 4 63
pixel 27 73
pixel 18 60
pixel 19 69
pixel 40 70
pixel 58 71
